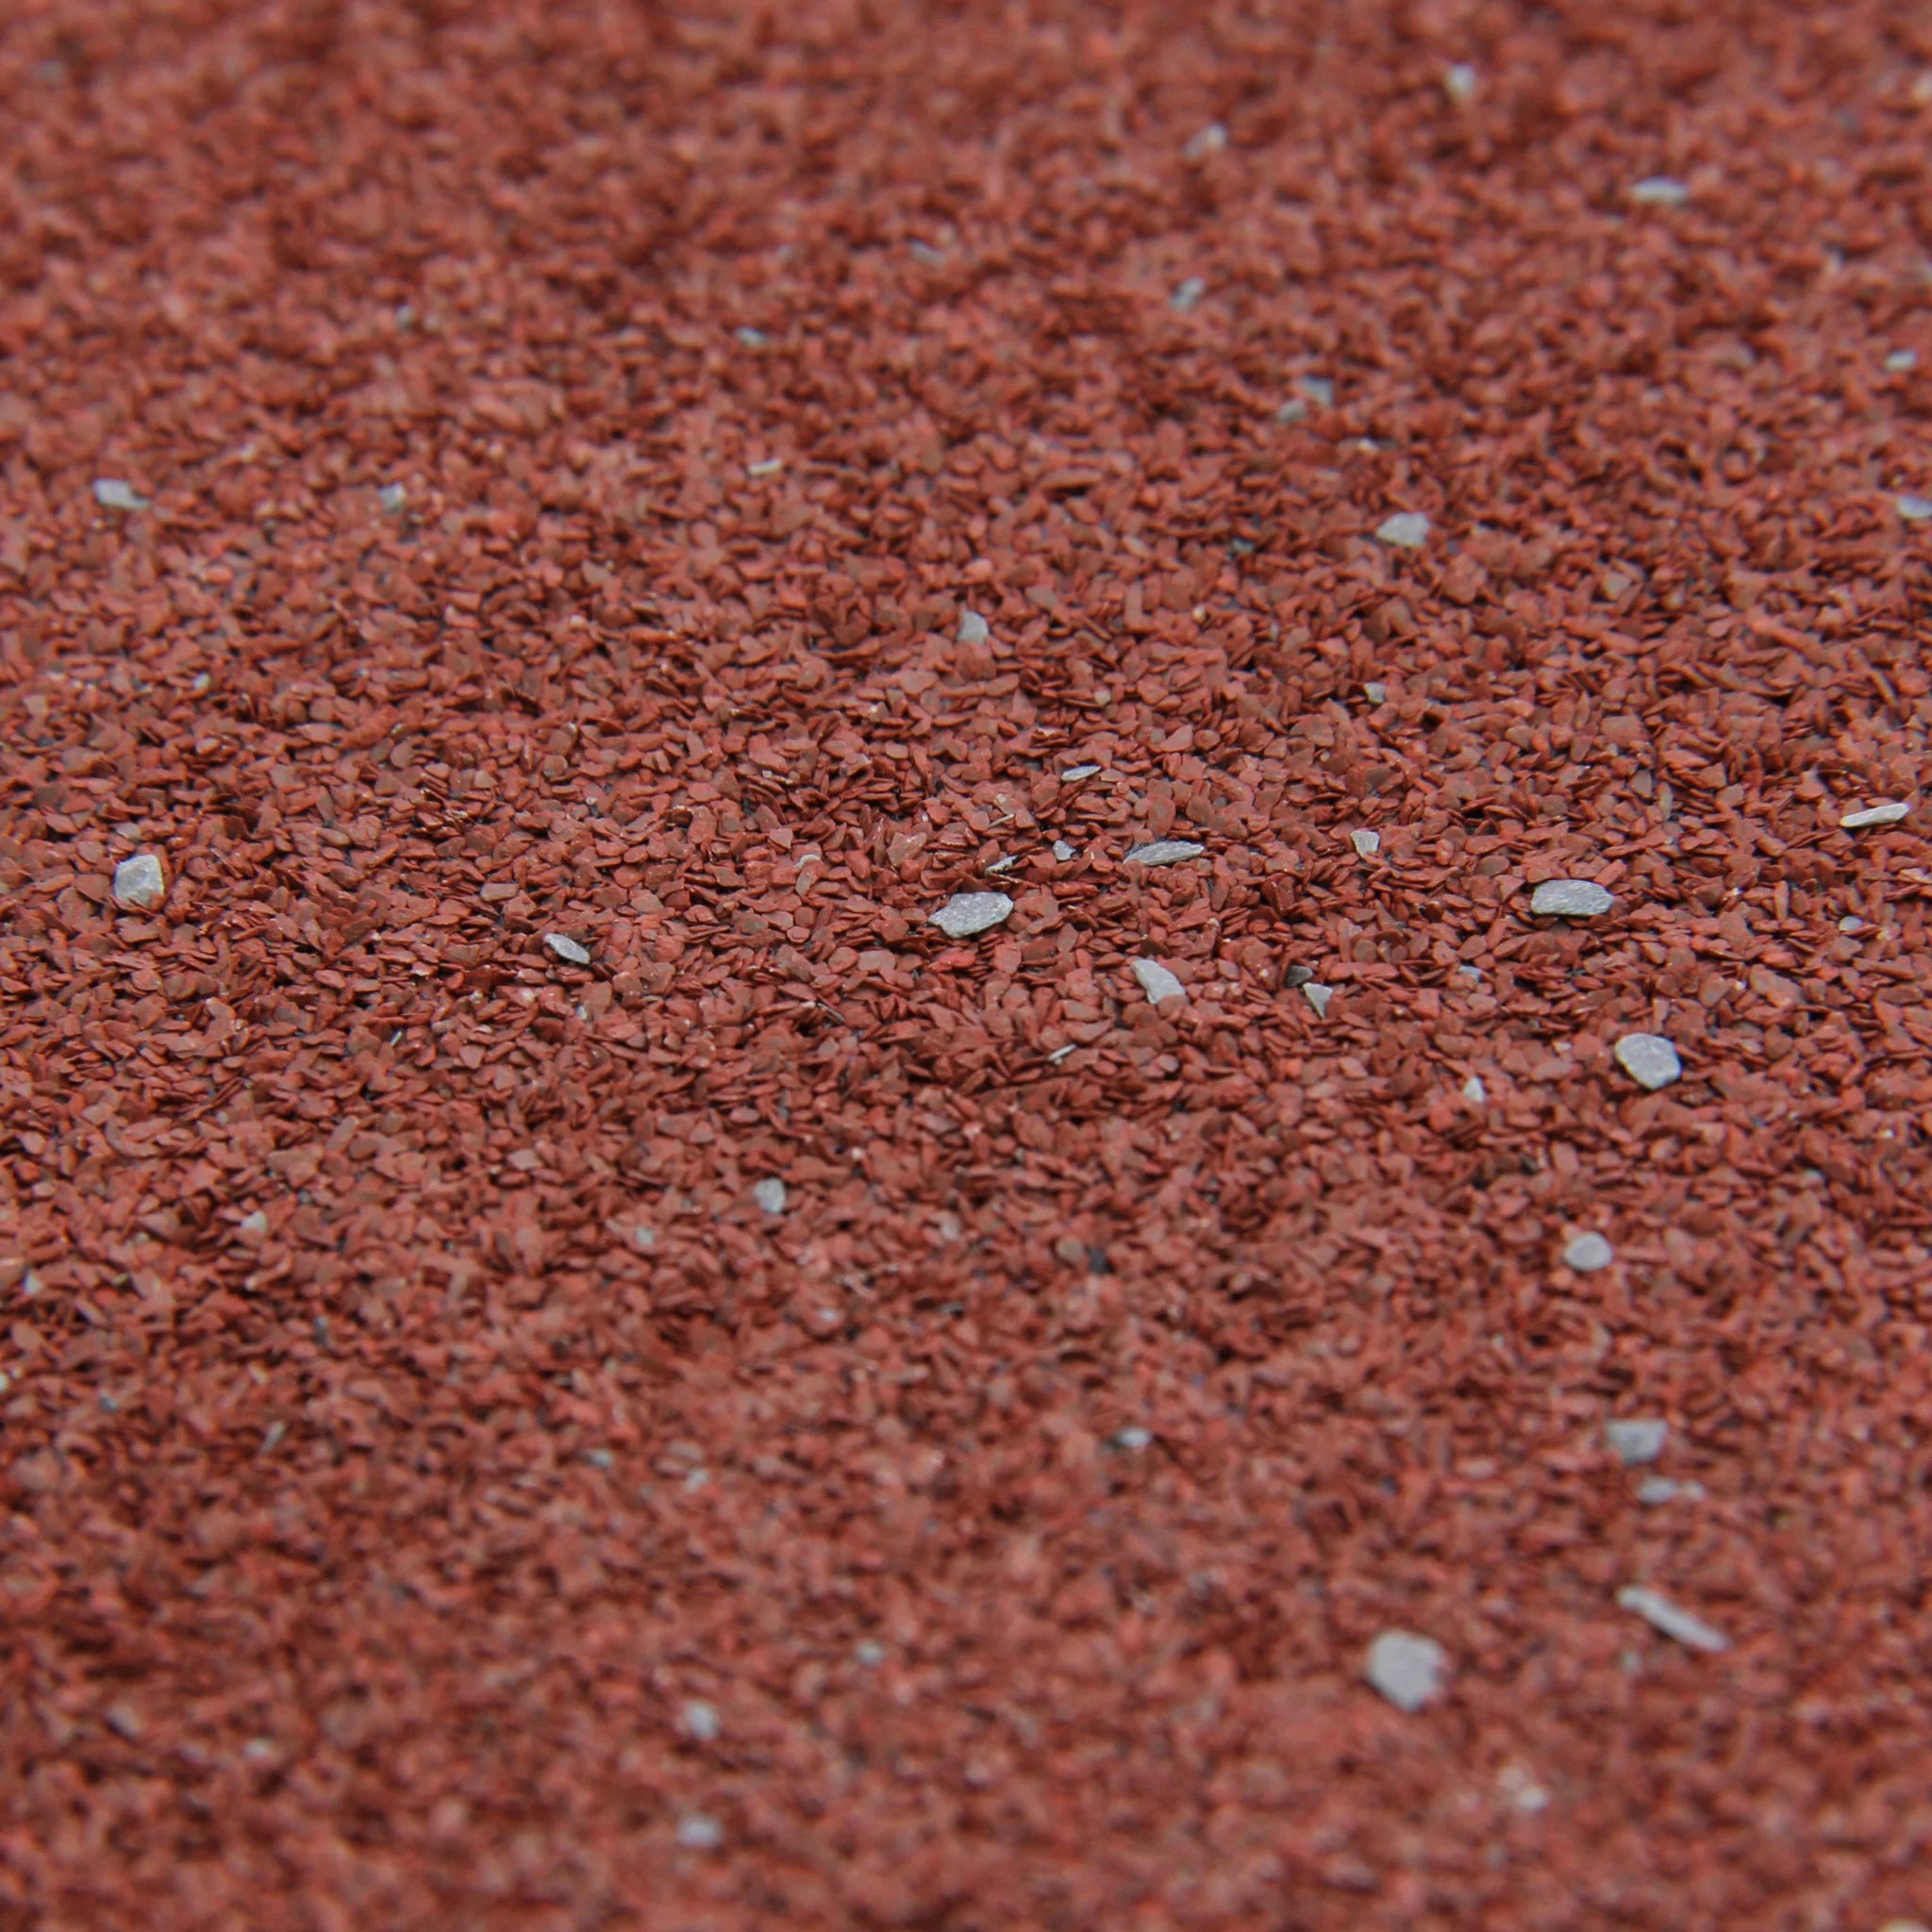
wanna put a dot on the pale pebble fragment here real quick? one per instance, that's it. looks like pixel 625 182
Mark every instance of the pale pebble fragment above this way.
pixel 770 1194
pixel 1475 1092
pixel 1900 360
pixel 1653 1489
pixel 1062 851
pixel 567 948
pixel 1318 996
pixel 1407 529
pixel 1589 1253
pixel 1366 843
pixel 1660 1613
pixel 1637 1439
pixel 1407 1670
pixel 1459 83
pixel 770 467
pixel 1851 923
pixel 1318 389
pixel 1165 852
pixel 1659 191
pixel 1157 982
pixel 1132 1437
pixel 1073 773
pixel 1375 693
pixel 111 493
pixel 1570 899
pixel 697 1833
pixel 1889 813
pixel 1006 864
pixel 1210 141
pixel 256 1223
pixel 393 496
pixel 139 882
pixel 967 913
pixel 1292 410
pixel 698 1720
pixel 1650 1060
pixel 1187 295
pixel 1060 1053
pixel 974 628
pixel 752 337
pixel 1914 509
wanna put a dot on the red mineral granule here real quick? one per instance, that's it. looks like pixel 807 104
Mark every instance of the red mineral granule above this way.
pixel 571 1360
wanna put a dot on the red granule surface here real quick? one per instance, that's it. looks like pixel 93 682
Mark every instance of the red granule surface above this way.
pixel 566 440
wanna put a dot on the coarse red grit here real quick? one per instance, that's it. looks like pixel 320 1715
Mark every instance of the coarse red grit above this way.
pixel 567 441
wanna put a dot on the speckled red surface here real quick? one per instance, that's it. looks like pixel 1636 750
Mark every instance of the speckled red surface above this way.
pixel 559 453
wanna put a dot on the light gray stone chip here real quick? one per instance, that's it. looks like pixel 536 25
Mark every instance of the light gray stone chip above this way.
pixel 967 913
pixel 1165 852
pixel 1157 982
pixel 1407 1670
pixel 1570 899
pixel 1650 1060
pixel 139 882
pixel 1660 1613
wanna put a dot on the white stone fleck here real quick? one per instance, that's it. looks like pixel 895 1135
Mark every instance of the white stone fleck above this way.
pixel 1210 141
pixel 1318 389
pixel 1366 843
pixel 699 1721
pixel 1889 813
pixel 1132 1437
pixel 1292 410
pixel 1060 1053
pixel 393 496
pixel 974 628
pixel 1659 191
pixel 1187 295
pixel 1660 1613
pixel 1375 693
pixel 139 882
pixel 1062 851
pixel 752 337
pixel 1851 923
pixel 697 1833
pixel 770 1194
pixel 256 1223
pixel 870 1652
pixel 927 255
pixel 1637 1439
pixel 1157 982
pixel 967 913
pixel 111 493
pixel 1662 1488
pixel 1589 1253
pixel 1474 1091
pixel 567 948
pixel 1902 360
pixel 1914 509
pixel 1318 996
pixel 1006 864
pixel 1650 1060
pixel 1407 529
pixel 1459 82
pixel 770 467
pixel 1570 899
pixel 1407 1670
pixel 1073 773
pixel 1165 852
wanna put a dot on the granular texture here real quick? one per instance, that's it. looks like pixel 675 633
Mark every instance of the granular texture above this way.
pixel 571 1360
